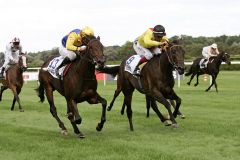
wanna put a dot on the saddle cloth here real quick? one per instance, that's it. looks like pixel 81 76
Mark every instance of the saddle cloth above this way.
pixel 52 66
pixel 131 63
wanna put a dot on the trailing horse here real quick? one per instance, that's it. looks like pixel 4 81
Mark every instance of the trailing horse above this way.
pixel 78 85
pixel 156 81
pixel 14 80
pixel 212 68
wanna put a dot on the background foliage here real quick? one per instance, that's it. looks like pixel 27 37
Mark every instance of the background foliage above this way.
pixel 192 45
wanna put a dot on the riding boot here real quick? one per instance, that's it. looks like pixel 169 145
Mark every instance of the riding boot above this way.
pixel 137 69
pixel 65 61
pixel 1 73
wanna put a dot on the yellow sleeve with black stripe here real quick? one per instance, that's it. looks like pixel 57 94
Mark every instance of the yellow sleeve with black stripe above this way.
pixel 146 40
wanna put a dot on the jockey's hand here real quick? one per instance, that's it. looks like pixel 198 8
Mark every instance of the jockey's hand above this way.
pixel 15 61
pixel 163 43
pixel 82 48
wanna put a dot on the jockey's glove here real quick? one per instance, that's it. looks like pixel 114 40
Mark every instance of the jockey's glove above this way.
pixel 82 48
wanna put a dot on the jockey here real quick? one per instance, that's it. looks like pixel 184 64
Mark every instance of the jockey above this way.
pixel 11 55
pixel 207 52
pixel 148 44
pixel 71 44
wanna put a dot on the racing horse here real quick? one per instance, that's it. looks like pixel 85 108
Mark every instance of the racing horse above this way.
pixel 14 80
pixel 212 68
pixel 156 79
pixel 78 85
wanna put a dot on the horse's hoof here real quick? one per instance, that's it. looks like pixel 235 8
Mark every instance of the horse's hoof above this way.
pixel 99 127
pixel 182 116
pixel 188 83
pixel 122 112
pixel 64 132
pixel 175 125
pixel 195 85
pixel 80 135
pixel 78 121
pixel 21 110
pixel 12 109
pixel 167 123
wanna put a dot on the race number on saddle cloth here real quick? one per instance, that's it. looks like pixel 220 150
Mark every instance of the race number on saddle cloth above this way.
pixel 51 68
pixel 131 63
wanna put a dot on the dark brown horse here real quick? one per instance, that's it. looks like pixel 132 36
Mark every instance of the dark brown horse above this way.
pixel 212 68
pixel 78 85
pixel 156 81
pixel 14 80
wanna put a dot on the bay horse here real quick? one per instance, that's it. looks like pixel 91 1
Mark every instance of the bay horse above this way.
pixel 156 79
pixel 78 85
pixel 14 80
pixel 212 68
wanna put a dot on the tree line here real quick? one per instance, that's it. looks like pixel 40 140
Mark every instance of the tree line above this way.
pixel 192 45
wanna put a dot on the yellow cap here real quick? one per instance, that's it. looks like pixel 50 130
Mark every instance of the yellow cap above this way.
pixel 87 31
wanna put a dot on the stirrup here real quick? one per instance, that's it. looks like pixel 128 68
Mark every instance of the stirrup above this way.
pixel 136 72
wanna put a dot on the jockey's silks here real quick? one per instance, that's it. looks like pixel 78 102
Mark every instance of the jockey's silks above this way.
pixel 147 39
pixel 72 40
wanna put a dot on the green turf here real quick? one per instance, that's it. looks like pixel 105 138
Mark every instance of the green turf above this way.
pixel 210 131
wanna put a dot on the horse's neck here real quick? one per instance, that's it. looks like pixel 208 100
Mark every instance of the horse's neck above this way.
pixel 165 65
pixel 84 66
pixel 218 60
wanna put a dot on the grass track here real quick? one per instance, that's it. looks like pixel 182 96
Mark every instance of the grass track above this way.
pixel 210 131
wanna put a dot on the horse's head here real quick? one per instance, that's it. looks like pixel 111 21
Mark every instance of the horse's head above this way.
pixel 176 54
pixel 226 58
pixel 95 50
pixel 23 61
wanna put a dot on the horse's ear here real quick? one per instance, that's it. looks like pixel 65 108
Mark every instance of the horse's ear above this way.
pixel 98 38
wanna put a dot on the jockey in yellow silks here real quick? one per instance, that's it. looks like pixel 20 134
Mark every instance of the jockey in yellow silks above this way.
pixel 148 44
pixel 72 43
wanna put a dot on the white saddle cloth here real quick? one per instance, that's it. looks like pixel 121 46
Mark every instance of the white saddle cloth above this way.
pixel 131 63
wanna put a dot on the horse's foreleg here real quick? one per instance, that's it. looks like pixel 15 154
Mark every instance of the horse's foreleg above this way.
pixel 74 117
pixel 123 108
pixel 156 110
pixel 103 116
pixel 192 76
pixel 178 103
pixel 160 98
pixel 117 92
pixel 174 106
pixel 16 91
pixel 73 108
pixel 213 81
pixel 53 110
pixel 3 88
pixel 13 103
pixel 197 81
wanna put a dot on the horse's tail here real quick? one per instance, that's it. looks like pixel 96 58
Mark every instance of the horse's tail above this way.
pixel 114 70
pixel 40 92
pixel 190 71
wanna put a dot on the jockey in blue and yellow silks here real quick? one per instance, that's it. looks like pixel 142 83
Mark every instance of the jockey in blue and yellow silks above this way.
pixel 148 44
pixel 72 43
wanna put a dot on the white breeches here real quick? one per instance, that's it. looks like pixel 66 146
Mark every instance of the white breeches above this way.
pixel 66 53
pixel 145 52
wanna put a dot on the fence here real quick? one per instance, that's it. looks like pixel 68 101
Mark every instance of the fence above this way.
pixel 32 74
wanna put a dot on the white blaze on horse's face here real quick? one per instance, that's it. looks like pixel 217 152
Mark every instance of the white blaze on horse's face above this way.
pixel 24 61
